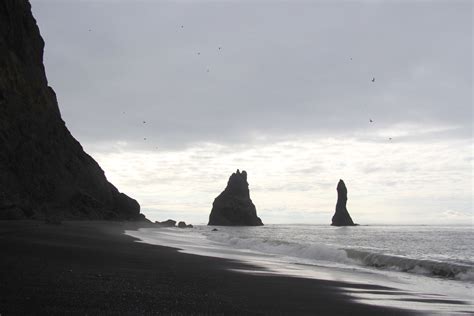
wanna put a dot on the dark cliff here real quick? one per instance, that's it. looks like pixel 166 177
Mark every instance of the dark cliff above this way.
pixel 233 207
pixel 43 169
pixel 342 217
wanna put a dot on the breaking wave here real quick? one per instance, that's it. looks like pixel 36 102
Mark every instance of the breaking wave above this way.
pixel 320 254
pixel 419 266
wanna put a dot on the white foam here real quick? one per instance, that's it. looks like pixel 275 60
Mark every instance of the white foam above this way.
pixel 316 251
pixel 324 254
pixel 404 264
pixel 327 262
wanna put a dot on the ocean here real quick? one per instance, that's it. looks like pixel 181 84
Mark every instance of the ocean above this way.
pixel 429 268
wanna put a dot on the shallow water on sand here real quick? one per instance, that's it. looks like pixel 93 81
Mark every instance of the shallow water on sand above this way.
pixel 427 268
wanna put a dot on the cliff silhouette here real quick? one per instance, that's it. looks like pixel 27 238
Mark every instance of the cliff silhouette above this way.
pixel 43 169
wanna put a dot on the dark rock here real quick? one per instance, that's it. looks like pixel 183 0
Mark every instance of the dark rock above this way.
pixel 142 219
pixel 215 230
pixel 233 207
pixel 183 225
pixel 342 217
pixel 167 223
pixel 40 162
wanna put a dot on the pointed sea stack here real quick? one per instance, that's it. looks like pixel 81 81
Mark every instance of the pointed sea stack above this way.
pixel 342 217
pixel 44 172
pixel 233 207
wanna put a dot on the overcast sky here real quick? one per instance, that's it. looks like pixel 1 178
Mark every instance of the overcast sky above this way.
pixel 170 97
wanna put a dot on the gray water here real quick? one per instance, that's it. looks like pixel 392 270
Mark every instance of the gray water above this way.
pixel 438 251
pixel 428 268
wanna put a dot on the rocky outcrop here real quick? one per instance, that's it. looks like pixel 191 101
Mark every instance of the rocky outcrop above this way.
pixel 167 223
pixel 172 223
pixel 183 225
pixel 342 217
pixel 233 207
pixel 43 169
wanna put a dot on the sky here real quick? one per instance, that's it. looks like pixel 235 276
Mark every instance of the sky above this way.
pixel 171 97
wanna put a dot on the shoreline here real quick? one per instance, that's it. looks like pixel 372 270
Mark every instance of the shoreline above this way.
pixel 94 268
pixel 279 257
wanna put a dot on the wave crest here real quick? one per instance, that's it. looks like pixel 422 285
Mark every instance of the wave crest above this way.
pixel 419 266
pixel 335 255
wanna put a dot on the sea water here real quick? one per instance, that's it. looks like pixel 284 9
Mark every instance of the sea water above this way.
pixel 430 268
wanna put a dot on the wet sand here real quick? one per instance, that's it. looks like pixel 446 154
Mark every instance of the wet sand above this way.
pixel 93 268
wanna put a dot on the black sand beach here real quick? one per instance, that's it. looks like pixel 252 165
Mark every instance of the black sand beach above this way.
pixel 93 268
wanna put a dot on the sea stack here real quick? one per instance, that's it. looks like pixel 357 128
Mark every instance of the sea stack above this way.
pixel 233 207
pixel 44 171
pixel 342 217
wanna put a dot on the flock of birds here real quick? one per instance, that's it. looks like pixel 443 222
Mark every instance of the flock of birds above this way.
pixel 207 70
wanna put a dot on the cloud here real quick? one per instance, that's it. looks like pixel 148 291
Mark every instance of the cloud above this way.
pixel 305 69
pixel 407 181
pixel 169 116
pixel 450 214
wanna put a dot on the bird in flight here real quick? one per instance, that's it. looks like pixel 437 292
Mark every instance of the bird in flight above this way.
pixel 373 79
pixel 144 122
pixel 390 138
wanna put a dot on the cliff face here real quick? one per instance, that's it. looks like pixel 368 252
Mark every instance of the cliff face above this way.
pixel 342 217
pixel 233 207
pixel 43 169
